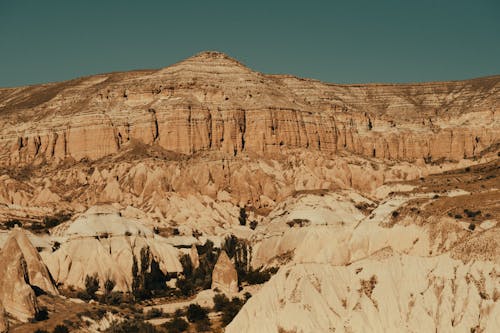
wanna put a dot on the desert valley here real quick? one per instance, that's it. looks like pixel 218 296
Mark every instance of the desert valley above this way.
pixel 209 197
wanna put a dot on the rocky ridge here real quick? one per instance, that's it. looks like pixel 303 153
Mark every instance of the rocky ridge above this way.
pixel 212 102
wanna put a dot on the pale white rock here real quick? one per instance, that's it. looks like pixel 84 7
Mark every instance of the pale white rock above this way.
pixel 102 242
pixel 396 294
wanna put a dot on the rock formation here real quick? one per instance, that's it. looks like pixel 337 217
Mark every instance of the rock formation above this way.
pixel 212 102
pixel 378 203
pixel 396 294
pixel 103 243
pixel 224 276
pixel 193 255
pixel 21 271
pixel 4 324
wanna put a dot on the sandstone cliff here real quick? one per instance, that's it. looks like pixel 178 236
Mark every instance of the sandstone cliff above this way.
pixel 213 102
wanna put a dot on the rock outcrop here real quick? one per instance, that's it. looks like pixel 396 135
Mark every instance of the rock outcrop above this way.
pixel 195 258
pixel 101 242
pixel 224 275
pixel 4 323
pixel 212 102
pixel 396 294
pixel 21 271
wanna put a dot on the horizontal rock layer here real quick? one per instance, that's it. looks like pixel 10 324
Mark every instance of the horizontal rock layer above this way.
pixel 212 102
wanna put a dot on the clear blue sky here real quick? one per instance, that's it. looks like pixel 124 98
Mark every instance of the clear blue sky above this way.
pixel 335 41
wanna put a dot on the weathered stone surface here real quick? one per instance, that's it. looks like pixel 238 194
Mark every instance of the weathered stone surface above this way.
pixel 38 273
pixel 193 255
pixel 4 324
pixel 224 276
pixel 17 296
pixel 212 102
pixel 101 242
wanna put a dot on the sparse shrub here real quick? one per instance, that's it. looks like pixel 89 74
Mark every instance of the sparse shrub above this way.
pixel 203 325
pixel 395 214
pixel 128 233
pixel 41 331
pixel 253 225
pixel 231 310
pixel 154 313
pixel 109 285
pixel 472 226
pixel 177 325
pixel 259 276
pixel 458 216
pixel 196 313
pixel 52 221
pixel 243 216
pixel 42 314
pixel 472 214
pixel 148 279
pixel 220 302
pixel 132 325
pixel 186 286
pixel 56 246
pixel 61 329
pixel 12 223
pixel 91 285
pixel 467 169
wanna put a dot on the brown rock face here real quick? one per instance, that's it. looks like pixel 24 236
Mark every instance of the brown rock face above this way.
pixel 4 324
pixel 224 276
pixel 22 269
pixel 16 295
pixel 212 102
pixel 38 273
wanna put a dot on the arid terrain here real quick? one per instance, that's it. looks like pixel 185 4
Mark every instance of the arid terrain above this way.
pixel 205 196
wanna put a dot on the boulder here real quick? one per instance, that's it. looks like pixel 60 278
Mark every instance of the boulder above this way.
pixel 224 276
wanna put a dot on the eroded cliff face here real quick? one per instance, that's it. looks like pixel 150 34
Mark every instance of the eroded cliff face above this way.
pixel 212 102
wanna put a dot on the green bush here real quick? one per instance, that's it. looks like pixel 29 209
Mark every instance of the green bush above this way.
pixel 42 314
pixel 203 326
pixel 220 302
pixel 52 221
pixel 91 285
pixel 109 285
pixel 132 325
pixel 12 223
pixel 61 329
pixel 196 313
pixel 243 216
pixel 177 325
pixel 231 310
pixel 154 313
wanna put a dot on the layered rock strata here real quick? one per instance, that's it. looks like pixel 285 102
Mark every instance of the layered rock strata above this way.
pixel 213 102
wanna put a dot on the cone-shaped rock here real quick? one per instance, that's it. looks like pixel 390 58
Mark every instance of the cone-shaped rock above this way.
pixel 16 295
pixel 224 276
pixel 38 273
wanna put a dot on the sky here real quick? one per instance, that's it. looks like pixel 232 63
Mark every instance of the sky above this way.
pixel 355 41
